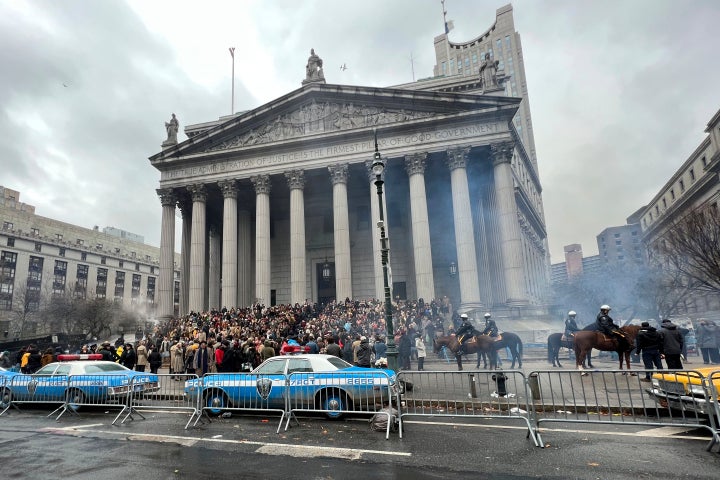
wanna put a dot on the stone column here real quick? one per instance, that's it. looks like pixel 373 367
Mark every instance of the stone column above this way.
pixel 167 254
pixel 197 248
pixel 415 167
pixel 343 276
pixel 245 292
pixel 375 231
pixel 262 238
pixel 510 242
pixel 464 237
pixel 214 266
pixel 228 297
pixel 185 205
pixel 298 289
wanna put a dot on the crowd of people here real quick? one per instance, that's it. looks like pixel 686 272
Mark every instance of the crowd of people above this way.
pixel 238 339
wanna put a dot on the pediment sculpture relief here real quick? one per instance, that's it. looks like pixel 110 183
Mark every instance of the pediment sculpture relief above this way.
pixel 315 117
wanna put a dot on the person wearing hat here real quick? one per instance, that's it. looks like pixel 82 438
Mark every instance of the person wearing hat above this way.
pixel 5 360
pixel 649 344
pixel 465 332
pixel 128 358
pixel 107 352
pixel 606 325
pixel 672 345
pixel 491 329
pixel 571 325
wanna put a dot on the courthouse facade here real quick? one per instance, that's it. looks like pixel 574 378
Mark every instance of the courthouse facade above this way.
pixel 274 197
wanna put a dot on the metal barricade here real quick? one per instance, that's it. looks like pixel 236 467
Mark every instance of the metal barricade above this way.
pixel 95 390
pixel 25 389
pixel 339 393
pixel 712 384
pixel 621 398
pixel 479 393
pixel 223 393
pixel 169 396
pixel 5 395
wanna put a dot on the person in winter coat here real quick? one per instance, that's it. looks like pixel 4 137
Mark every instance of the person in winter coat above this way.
pixel 34 362
pixel 672 345
pixel 333 348
pixel 364 353
pixel 707 335
pixel 128 357
pixel 5 360
pixel 154 359
pixel 421 352
pixel 649 344
pixel 47 357
pixel 142 359
pixel 177 359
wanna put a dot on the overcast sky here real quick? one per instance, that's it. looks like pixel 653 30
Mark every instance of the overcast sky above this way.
pixel 620 91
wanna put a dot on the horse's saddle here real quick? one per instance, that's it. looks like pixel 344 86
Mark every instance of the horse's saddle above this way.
pixel 496 339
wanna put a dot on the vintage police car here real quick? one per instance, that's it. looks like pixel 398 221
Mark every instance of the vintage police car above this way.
pixel 86 381
pixel 306 381
pixel 685 390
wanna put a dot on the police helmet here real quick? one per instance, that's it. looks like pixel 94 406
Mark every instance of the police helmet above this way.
pixel 605 307
pixel 487 315
pixel 571 313
pixel 464 316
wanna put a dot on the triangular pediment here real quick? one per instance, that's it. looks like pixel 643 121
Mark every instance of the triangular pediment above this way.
pixel 327 109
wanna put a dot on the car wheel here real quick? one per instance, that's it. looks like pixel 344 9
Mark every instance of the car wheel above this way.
pixel 216 401
pixel 334 402
pixel 74 399
pixel 5 398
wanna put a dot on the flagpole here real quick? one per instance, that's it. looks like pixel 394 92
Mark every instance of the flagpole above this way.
pixel 447 39
pixel 232 95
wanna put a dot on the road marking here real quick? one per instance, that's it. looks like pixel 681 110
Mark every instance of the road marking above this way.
pixel 269 448
pixel 644 433
pixel 664 431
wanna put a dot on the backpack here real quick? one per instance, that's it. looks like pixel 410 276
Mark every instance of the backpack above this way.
pixel 379 421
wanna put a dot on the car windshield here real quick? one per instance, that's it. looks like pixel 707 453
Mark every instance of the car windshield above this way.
pixel 104 368
pixel 271 367
pixel 339 363
pixel 47 369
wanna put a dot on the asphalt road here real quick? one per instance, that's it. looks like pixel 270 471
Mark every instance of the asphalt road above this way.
pixel 245 446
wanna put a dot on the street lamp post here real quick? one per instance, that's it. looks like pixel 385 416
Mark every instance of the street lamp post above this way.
pixel 378 167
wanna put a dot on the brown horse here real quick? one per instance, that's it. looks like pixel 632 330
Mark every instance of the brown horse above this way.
pixel 587 340
pixel 478 344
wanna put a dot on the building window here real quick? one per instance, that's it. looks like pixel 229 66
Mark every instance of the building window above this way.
pixel 507 41
pixel 117 250
pixel 8 262
pixel 81 279
pixel 443 68
pixel 35 231
pixel 121 264
pixel 38 247
pixel 664 203
pixel 58 237
pixel 103 260
pixel 119 285
pixel 101 288
pixel 672 194
pixel 682 186
pixel 137 267
pixel 34 280
pixel 99 246
pixel 704 162
pixel 474 58
pixel 7 225
pixel 80 242
pixel 616 235
pixel 692 175
pixel 83 256
pixel 60 274
pixel 657 210
pixel 10 242
pixel 151 290
pixel 618 242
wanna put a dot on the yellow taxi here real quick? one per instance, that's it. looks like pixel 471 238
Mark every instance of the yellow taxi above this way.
pixel 686 390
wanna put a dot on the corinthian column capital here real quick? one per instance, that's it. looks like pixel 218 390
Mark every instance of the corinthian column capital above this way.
pixel 167 197
pixel 198 192
pixel 338 173
pixel 502 152
pixel 261 184
pixel 415 163
pixel 295 179
pixel 229 188
pixel 457 157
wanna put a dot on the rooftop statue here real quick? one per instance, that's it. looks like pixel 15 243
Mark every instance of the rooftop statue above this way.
pixel 313 69
pixel 172 128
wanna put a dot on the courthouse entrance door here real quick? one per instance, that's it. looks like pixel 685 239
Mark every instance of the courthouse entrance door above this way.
pixel 325 287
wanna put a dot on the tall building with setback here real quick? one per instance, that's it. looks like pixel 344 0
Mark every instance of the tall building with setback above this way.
pixel 273 197
pixel 41 258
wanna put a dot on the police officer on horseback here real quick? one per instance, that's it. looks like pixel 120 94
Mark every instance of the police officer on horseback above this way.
pixel 465 332
pixel 606 325
pixel 491 329
pixel 570 325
